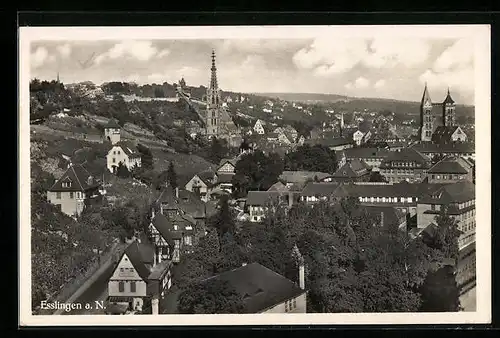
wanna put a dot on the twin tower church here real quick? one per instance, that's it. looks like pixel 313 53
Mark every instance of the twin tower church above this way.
pixel 438 120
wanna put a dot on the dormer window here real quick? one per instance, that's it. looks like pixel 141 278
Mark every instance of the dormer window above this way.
pixel 66 184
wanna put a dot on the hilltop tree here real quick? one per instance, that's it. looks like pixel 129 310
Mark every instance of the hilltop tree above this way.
pixel 172 176
pixel 446 237
pixel 256 171
pixel 440 292
pixel 217 150
pixel 312 158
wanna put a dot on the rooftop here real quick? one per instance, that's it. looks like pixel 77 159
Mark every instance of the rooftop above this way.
pixel 78 177
pixel 447 166
pixel 260 287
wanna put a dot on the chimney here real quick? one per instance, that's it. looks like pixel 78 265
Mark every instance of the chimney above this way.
pixel 177 192
pixel 152 213
pixel 154 306
pixel 155 257
pixel 302 282
pixel 290 199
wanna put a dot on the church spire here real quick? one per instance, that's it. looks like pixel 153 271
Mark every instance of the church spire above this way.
pixel 213 79
pixel 426 98
pixel 448 99
pixel 58 77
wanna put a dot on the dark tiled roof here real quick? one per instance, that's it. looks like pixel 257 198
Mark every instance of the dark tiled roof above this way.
pixel 128 148
pixel 329 142
pixel 319 189
pixel 260 198
pixel 448 99
pixel 428 147
pixel 260 287
pixel 78 176
pixel 278 186
pixel 447 166
pixel 301 176
pixel 224 177
pixel 451 193
pixel 164 226
pixel 352 169
pixel 233 161
pixel 139 255
pixel 444 133
pixel 407 155
pixel 112 124
pixel 367 153
pixel 159 270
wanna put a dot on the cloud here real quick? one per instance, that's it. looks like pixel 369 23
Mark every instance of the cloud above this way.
pixel 453 68
pixel 64 50
pixel 260 46
pixel 457 56
pixel 459 80
pixel 360 83
pixel 135 49
pixel 330 57
pixel 389 52
pixel 327 56
pixel 40 57
pixel 379 84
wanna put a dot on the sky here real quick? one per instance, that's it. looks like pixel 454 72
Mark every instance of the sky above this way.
pixel 382 67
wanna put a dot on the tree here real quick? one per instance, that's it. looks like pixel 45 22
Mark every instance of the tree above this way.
pixel 446 237
pixel 210 297
pixel 122 171
pixel 223 221
pixel 256 171
pixel 312 158
pixel 440 292
pixel 375 176
pixel 146 156
pixel 217 150
pixel 172 176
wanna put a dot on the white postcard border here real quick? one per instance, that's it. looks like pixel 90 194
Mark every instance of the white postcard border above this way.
pixel 482 69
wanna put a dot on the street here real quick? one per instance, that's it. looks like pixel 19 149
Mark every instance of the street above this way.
pixel 96 292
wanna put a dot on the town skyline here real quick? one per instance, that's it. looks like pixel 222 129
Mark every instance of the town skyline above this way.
pixel 360 67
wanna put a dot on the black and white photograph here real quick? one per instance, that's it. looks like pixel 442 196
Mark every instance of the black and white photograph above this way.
pixel 300 174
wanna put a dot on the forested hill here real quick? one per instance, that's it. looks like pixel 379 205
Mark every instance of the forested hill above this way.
pixel 340 102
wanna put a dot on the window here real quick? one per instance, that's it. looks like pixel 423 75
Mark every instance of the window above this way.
pixel 188 240
pixel 132 287
pixel 118 152
pixel 58 195
pixel 294 303
pixel 433 207
pixel 114 160
pixel 71 194
pixel 121 287
pixel 122 269
pixel 114 152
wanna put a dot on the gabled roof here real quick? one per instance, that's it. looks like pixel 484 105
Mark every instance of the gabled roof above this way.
pixel 140 254
pixel 112 124
pixel 352 169
pixel 330 142
pixel 164 226
pixel 260 287
pixel 278 186
pixel 233 161
pixel 80 178
pixel 447 166
pixel 301 176
pixel 129 148
pixel 451 193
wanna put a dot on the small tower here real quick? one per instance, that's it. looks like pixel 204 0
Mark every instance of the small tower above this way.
pixel 449 111
pixel 341 124
pixel 58 78
pixel 213 103
pixel 112 131
pixel 426 118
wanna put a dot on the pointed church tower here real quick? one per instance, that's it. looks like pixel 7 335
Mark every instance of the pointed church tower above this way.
pixel 58 78
pixel 449 111
pixel 426 118
pixel 213 102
